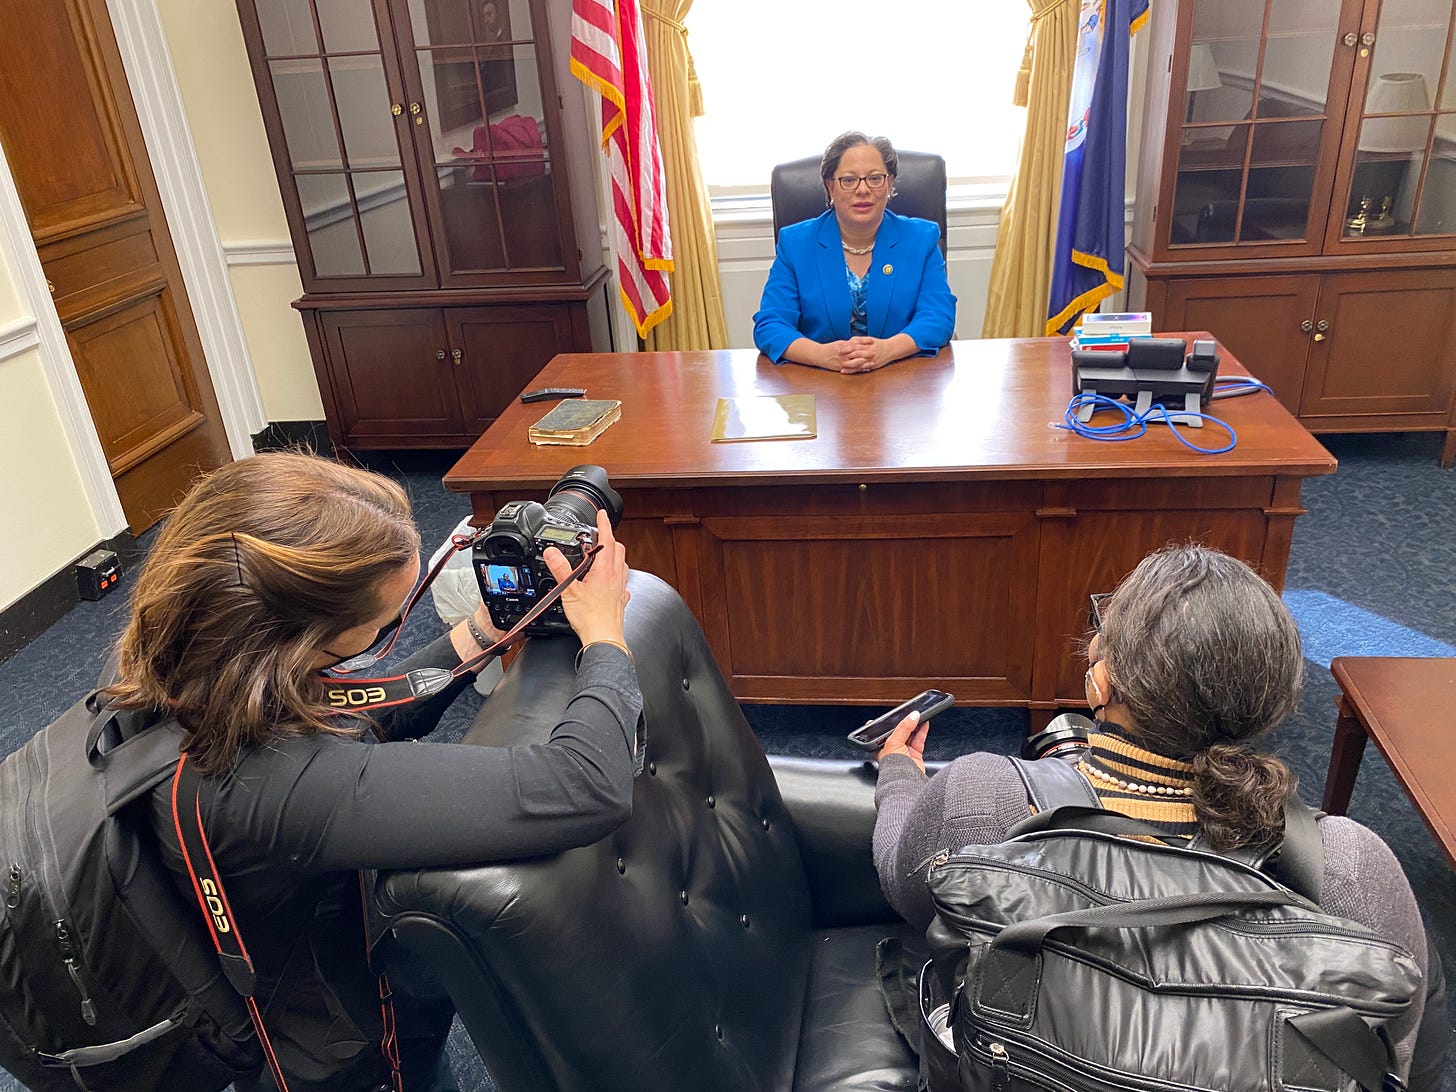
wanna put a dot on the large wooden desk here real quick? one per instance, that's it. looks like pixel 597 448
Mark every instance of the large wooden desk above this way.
pixel 937 532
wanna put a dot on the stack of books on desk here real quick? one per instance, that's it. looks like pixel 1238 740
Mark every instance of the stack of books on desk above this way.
pixel 1111 332
pixel 576 422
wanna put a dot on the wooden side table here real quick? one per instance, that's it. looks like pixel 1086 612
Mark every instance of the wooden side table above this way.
pixel 1406 705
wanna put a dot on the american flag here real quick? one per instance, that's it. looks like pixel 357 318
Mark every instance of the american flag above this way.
pixel 609 56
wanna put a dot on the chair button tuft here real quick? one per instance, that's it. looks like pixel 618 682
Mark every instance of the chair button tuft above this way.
pixel 685 684
pixel 684 896
pixel 743 920
pixel 718 1030
pixel 652 768
pixel 711 801
pixel 622 865
pixel 764 822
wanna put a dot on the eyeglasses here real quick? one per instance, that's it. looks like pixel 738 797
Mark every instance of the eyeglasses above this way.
pixel 1094 610
pixel 850 182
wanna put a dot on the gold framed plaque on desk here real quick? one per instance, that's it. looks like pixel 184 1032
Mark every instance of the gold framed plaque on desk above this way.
pixel 937 532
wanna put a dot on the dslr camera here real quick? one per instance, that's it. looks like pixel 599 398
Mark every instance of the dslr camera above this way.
pixel 508 558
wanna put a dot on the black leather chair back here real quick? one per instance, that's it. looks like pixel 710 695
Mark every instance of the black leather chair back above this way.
pixel 673 954
pixel 797 191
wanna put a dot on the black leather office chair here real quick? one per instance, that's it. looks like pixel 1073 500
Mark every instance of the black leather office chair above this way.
pixel 797 191
pixel 722 939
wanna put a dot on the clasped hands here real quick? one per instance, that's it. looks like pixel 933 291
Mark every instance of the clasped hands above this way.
pixel 856 354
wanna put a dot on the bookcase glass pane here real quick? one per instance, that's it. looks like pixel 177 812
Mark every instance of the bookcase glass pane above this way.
pixel 308 119
pixel 1223 67
pixel 363 102
pixel 1220 80
pixel 348 26
pixel 287 27
pixel 1437 212
pixel 494 223
pixel 333 235
pixel 1410 41
pixel 384 213
pixel 1295 77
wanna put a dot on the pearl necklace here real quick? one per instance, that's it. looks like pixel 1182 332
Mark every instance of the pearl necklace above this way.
pixel 861 250
pixel 1133 786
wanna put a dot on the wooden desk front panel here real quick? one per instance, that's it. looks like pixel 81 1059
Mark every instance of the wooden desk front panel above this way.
pixel 840 594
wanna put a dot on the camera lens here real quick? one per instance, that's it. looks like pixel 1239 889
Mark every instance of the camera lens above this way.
pixel 581 492
pixel 1065 736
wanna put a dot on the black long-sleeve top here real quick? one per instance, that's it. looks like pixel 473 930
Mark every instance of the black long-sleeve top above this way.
pixel 294 819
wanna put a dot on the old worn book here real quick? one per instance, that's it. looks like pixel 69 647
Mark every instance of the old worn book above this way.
pixel 575 421
pixel 769 417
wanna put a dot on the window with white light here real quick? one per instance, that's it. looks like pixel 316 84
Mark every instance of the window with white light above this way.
pixel 782 78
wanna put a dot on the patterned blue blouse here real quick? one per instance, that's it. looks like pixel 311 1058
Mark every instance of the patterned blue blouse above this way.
pixel 859 290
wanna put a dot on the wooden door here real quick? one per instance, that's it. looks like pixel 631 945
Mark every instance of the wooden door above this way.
pixel 500 351
pixel 71 137
pixel 1261 320
pixel 1387 345
pixel 389 378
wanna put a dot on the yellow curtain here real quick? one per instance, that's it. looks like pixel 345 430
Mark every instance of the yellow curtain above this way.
pixel 1021 271
pixel 697 319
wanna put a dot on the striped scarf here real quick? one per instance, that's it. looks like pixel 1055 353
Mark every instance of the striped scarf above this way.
pixel 1113 758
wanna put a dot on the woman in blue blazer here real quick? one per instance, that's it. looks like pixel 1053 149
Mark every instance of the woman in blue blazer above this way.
pixel 858 286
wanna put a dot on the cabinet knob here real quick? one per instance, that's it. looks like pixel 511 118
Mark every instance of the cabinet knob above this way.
pixel 1351 38
pixel 457 356
pixel 396 109
pixel 439 354
pixel 1306 326
pixel 1367 39
pixel 1322 325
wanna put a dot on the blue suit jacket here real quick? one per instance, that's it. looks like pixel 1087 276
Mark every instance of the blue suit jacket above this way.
pixel 806 294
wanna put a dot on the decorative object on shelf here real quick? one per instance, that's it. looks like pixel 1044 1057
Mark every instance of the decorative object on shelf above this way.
pixel 1202 76
pixel 1386 147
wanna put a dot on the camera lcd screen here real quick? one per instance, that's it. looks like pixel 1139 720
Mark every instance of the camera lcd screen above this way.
pixel 557 534
pixel 505 580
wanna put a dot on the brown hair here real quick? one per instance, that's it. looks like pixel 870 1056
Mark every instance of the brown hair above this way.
pixel 1206 659
pixel 260 564
pixel 829 162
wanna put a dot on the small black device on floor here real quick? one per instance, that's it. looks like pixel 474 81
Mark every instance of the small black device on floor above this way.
pixel 1151 369
pixel 97 573
pixel 872 734
pixel 546 394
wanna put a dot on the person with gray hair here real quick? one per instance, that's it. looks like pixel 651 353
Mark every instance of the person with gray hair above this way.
pixel 1193 661
pixel 858 286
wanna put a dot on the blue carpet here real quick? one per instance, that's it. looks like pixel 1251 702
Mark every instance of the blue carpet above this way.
pixel 1371 573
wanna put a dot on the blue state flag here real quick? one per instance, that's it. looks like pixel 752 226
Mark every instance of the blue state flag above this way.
pixel 1088 263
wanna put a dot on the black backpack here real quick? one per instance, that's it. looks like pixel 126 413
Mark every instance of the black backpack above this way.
pixel 1076 958
pixel 108 979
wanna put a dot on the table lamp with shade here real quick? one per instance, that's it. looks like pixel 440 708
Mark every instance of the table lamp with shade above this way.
pixel 1202 76
pixel 1391 142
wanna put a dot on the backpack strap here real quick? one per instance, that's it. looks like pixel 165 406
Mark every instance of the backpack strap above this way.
pixel 1297 860
pixel 1051 784
pixel 213 901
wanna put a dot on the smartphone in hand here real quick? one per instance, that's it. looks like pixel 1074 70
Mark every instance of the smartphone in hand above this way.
pixel 871 735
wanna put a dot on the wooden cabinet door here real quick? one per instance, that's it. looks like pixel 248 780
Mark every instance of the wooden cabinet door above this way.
pixel 1259 319
pixel 389 373
pixel 1388 345
pixel 501 349
pixel 71 137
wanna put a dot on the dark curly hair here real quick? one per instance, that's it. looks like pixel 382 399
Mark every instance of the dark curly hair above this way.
pixel 829 162
pixel 1206 659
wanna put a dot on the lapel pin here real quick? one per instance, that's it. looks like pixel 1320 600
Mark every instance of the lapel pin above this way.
pixel 887 269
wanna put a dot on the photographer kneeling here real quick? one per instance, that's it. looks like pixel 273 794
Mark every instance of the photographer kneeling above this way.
pixel 1195 658
pixel 271 570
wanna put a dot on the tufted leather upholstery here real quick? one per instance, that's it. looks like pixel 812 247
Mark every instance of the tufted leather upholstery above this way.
pixel 692 949
pixel 797 191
